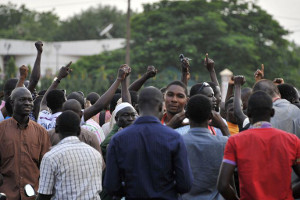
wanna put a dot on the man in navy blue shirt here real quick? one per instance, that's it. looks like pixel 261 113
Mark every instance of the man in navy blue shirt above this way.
pixel 148 160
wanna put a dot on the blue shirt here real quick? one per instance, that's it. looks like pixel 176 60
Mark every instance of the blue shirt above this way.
pixel 205 153
pixel 147 160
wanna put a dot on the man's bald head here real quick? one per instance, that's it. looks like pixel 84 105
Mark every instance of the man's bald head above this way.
pixel 268 87
pixel 72 105
pixel 18 92
pixel 150 99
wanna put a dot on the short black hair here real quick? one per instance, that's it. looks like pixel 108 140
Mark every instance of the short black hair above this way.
pixel 213 86
pixel 259 104
pixel 150 97
pixel 93 97
pixel 55 99
pixel 288 92
pixel 42 92
pixel 179 83
pixel 66 126
pixel 77 96
pixel 267 86
pixel 198 108
pixel 195 88
pixel 10 84
pixel 113 102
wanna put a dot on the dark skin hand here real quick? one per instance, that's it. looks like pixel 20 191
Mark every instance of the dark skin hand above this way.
pixel 36 71
pixel 185 71
pixel 124 84
pixel 137 84
pixel 210 66
pixel 176 120
pixel 218 122
pixel 237 102
pixel 23 75
pixel 259 74
pixel 63 72
pixel 278 81
pixel 105 99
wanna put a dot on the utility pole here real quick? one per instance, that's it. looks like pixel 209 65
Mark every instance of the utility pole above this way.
pixel 127 59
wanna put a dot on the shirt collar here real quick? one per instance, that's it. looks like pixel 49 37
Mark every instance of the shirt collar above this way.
pixel 146 119
pixel 199 131
pixel 69 139
pixel 261 124
pixel 20 126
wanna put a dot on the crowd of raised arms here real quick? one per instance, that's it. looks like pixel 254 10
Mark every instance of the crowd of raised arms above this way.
pixel 168 143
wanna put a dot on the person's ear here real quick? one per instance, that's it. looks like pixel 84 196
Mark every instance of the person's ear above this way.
pixel 116 118
pixel 272 112
pixel 160 107
pixel 11 102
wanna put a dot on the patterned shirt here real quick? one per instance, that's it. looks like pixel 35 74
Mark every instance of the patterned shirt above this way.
pixel 47 119
pixel 71 170
pixel 94 127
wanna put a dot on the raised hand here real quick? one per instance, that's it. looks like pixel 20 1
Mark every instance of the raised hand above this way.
pixel 64 71
pixel 259 74
pixel 124 71
pixel 23 71
pixel 278 81
pixel 176 120
pixel 209 63
pixel 151 71
pixel 39 46
pixel 239 80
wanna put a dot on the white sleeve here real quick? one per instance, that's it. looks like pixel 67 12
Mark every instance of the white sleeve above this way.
pixel 246 121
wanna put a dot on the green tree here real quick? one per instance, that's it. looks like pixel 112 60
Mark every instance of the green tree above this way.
pixel 11 68
pixel 89 23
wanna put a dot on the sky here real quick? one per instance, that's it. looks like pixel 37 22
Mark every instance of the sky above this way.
pixel 284 11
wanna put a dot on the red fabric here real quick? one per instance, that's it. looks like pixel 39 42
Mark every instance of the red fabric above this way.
pixel 264 158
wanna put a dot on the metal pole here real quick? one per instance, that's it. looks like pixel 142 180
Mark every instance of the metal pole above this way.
pixel 127 60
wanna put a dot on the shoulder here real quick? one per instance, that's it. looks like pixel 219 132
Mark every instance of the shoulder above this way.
pixel 37 127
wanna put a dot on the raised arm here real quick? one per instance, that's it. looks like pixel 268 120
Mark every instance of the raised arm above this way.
pixel 104 100
pixel 230 89
pixel 63 72
pixel 185 70
pixel 124 87
pixel 237 102
pixel 210 66
pixel 137 84
pixel 259 74
pixel 23 75
pixel 217 121
pixel 36 71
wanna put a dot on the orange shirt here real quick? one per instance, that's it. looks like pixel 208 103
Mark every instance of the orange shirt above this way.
pixel 21 153
pixel 233 128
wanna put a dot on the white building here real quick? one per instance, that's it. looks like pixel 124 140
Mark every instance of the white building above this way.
pixel 55 54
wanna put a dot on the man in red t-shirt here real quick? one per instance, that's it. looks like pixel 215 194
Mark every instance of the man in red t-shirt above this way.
pixel 263 155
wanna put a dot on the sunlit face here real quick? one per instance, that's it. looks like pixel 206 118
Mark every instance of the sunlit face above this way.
pixel 175 99
pixel 23 104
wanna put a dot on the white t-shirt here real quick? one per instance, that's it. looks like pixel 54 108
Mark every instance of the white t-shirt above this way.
pixel 47 119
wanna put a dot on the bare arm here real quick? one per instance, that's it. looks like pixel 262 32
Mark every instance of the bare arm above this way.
pixel 259 74
pixel 210 65
pixel 124 85
pixel 23 75
pixel 36 71
pixel 224 180
pixel 218 122
pixel 104 100
pixel 230 89
pixel 63 72
pixel 296 188
pixel 185 70
pixel 237 102
pixel 137 84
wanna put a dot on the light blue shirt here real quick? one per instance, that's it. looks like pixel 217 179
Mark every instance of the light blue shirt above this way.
pixel 205 153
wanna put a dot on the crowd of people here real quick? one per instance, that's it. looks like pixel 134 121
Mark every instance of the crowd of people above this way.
pixel 169 143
